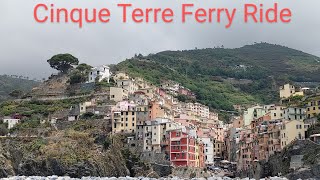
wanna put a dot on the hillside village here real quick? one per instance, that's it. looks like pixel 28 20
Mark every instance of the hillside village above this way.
pixel 166 124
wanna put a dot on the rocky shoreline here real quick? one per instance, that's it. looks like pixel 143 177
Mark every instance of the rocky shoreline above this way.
pixel 123 178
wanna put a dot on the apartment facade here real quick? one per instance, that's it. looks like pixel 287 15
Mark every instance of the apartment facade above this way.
pixel 124 118
pixel 118 94
pixel 182 149
pixel 294 113
pixel 208 150
pixel 291 130
pixel 313 107
pixel 128 84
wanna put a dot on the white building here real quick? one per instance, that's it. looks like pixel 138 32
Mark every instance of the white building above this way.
pixel 198 109
pixel 208 150
pixel 102 72
pixel 11 122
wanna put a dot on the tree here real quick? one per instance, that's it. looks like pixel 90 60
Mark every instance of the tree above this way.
pixel 3 128
pixel 80 74
pixel 63 62
pixel 77 77
pixel 83 67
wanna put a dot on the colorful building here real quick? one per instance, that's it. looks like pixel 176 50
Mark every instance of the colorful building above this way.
pixel 182 149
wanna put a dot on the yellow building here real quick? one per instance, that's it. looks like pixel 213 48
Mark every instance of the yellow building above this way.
pixel 118 94
pixel 124 121
pixel 290 131
pixel 197 154
pixel 288 90
pixel 313 107
pixel 128 84
pixel 217 148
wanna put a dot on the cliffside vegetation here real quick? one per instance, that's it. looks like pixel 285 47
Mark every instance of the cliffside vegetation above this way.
pixel 222 77
pixel 83 148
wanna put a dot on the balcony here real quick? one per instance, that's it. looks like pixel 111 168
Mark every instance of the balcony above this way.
pixel 164 142
pixel 117 115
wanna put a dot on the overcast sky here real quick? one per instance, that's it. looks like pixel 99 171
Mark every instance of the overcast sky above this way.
pixel 26 45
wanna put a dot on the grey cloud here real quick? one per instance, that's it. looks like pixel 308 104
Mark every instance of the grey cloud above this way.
pixel 26 45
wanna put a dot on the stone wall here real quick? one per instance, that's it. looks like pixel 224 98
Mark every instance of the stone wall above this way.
pixel 154 157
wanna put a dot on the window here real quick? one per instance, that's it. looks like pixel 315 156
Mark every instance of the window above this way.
pixel 132 124
pixel 126 124
pixel 274 114
pixel 127 113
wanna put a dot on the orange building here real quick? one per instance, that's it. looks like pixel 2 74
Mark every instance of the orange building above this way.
pixel 155 110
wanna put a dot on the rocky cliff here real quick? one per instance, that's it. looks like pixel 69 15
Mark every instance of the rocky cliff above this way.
pixel 299 160
pixel 77 151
